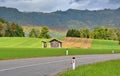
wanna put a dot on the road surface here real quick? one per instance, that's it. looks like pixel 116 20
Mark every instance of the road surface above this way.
pixel 48 66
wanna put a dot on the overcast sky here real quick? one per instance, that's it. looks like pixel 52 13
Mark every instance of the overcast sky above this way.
pixel 54 5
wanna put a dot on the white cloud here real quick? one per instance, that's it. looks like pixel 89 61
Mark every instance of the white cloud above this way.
pixel 53 5
pixel 79 4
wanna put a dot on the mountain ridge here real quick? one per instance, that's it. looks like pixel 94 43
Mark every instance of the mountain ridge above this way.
pixel 70 18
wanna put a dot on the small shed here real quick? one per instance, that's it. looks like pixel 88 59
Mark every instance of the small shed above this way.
pixel 44 44
pixel 55 43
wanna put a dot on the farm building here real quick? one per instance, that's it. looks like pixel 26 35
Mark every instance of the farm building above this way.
pixel 55 43
pixel 44 44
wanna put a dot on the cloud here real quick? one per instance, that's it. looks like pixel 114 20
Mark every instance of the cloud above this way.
pixel 37 5
pixel 53 5
pixel 95 4
pixel 2 0
pixel 114 1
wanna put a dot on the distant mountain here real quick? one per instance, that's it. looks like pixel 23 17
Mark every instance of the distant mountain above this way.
pixel 64 19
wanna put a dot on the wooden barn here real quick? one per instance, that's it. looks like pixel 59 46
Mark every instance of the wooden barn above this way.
pixel 55 43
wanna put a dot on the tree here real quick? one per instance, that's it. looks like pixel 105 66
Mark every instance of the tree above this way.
pixel 15 30
pixel 118 37
pixel 84 33
pixel 44 32
pixel 10 30
pixel 103 33
pixel 119 41
pixel 34 33
pixel 73 33
pixel 112 34
pixel 19 32
pixel 117 30
pixel 1 29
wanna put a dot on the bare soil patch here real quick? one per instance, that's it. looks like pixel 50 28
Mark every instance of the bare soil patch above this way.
pixel 73 42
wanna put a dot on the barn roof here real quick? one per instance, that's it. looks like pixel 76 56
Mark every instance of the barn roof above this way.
pixel 55 40
pixel 43 41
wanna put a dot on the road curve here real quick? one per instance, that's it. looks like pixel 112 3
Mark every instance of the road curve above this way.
pixel 48 66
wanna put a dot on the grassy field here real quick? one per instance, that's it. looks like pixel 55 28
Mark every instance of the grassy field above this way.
pixel 21 42
pixel 108 68
pixel 16 47
pixel 11 53
pixel 25 42
pixel 105 44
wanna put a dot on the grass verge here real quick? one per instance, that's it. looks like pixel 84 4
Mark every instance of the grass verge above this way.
pixel 12 53
pixel 108 68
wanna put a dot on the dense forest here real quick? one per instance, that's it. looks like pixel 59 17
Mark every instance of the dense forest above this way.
pixel 64 19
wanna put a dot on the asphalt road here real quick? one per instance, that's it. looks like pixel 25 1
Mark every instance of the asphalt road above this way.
pixel 48 66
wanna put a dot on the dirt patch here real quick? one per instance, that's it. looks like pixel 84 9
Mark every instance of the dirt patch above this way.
pixel 72 42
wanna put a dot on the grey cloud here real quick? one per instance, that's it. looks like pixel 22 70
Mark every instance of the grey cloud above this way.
pixel 77 0
pixel 53 5
pixel 96 4
pixel 2 0
pixel 114 1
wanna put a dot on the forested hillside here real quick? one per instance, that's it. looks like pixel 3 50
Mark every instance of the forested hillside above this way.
pixel 64 19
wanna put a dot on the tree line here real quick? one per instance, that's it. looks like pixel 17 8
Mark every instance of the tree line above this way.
pixel 43 33
pixel 96 33
pixel 14 30
pixel 10 29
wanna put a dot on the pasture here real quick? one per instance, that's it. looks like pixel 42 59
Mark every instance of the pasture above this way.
pixel 16 47
pixel 25 42
pixel 105 44
pixel 21 42
pixel 108 68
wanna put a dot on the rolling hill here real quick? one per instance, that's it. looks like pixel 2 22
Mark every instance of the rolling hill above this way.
pixel 64 19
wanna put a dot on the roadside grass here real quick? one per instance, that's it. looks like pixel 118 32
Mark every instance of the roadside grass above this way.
pixel 12 53
pixel 108 68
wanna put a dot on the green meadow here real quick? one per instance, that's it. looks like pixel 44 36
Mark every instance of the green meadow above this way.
pixel 25 42
pixel 105 44
pixel 108 68
pixel 21 42
pixel 11 53
pixel 16 47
